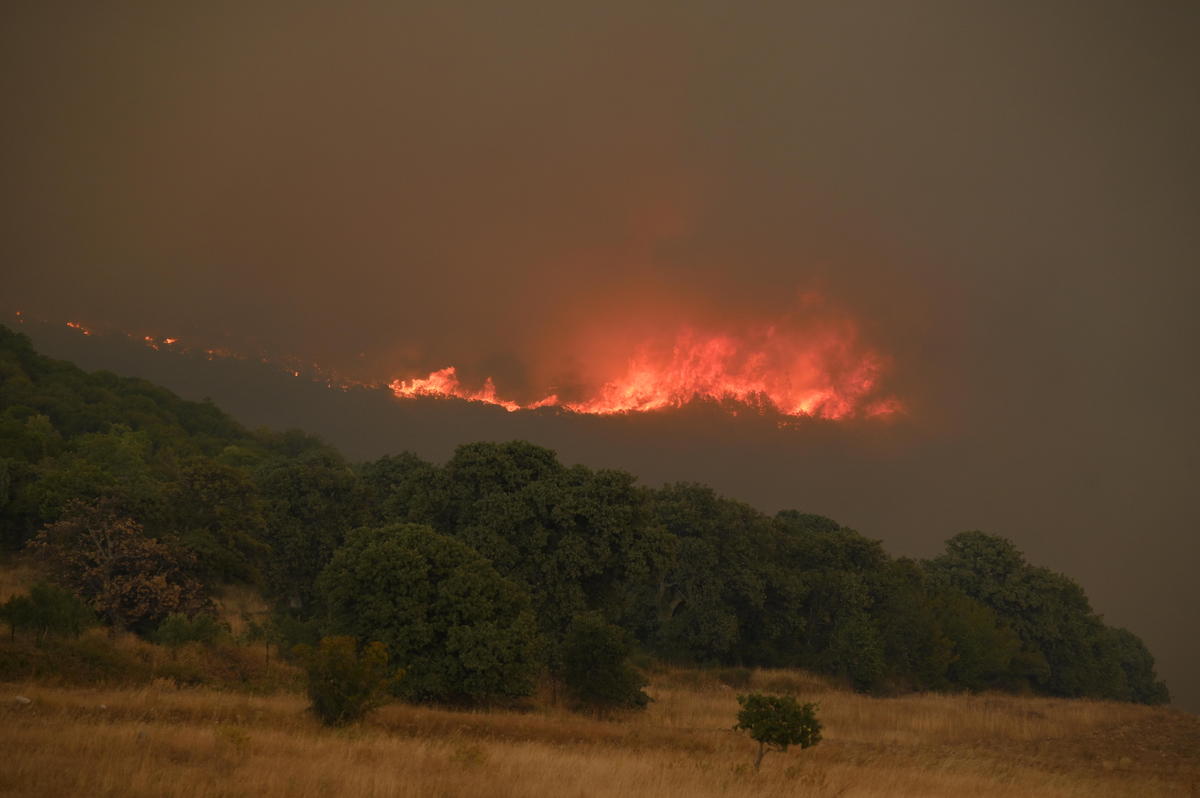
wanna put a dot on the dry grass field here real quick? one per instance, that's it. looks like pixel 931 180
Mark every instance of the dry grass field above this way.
pixel 161 740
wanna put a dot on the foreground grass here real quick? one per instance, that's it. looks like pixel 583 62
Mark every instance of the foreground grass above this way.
pixel 162 740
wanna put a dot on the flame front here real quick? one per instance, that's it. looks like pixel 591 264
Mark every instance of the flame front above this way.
pixel 799 368
pixel 444 384
pixel 824 372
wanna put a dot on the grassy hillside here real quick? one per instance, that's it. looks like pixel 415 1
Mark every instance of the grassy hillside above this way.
pixel 160 740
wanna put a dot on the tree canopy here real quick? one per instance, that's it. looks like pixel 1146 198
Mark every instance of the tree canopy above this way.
pixel 473 572
pixel 462 633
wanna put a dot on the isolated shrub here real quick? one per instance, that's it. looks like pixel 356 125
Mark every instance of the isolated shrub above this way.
pixel 345 683
pixel 463 633
pixel 596 665
pixel 47 610
pixel 776 722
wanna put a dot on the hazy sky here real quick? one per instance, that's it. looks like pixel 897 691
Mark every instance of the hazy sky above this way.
pixel 1005 196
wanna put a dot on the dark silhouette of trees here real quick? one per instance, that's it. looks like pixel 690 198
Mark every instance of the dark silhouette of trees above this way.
pixel 137 499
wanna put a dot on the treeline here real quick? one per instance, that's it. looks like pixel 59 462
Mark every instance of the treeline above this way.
pixel 495 559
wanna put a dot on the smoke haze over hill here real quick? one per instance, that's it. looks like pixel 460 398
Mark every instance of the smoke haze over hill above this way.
pixel 1001 199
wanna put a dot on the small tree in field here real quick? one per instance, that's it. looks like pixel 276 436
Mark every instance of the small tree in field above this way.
pixel 344 683
pixel 776 722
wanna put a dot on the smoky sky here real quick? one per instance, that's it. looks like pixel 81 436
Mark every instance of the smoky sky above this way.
pixel 1004 196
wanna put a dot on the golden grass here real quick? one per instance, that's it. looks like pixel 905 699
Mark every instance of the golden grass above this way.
pixel 159 740
pixel 96 658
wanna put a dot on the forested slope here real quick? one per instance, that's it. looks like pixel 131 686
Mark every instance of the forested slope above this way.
pixel 691 576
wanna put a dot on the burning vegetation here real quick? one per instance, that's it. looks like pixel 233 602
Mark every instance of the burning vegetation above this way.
pixel 799 366
pixel 820 371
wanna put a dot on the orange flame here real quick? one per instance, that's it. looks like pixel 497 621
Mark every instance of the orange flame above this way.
pixel 798 368
pixel 823 372
pixel 444 384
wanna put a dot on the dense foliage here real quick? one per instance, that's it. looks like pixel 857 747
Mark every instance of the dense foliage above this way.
pixel 510 541
pixel 463 633
pixel 46 610
pixel 596 668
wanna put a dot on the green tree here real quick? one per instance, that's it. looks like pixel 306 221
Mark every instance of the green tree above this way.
pixel 938 638
pixel 344 683
pixel 462 632
pixel 776 722
pixel 403 488
pixel 114 465
pixel 574 539
pixel 712 592
pixel 47 610
pixel 17 612
pixel 1067 649
pixel 1140 683
pixel 218 514
pixel 596 666
pixel 310 501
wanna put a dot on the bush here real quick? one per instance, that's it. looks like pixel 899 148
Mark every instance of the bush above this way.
pixel 178 629
pixel 345 684
pixel 596 666
pixel 47 610
pixel 776 722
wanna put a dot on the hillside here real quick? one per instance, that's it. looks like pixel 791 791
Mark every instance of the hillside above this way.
pixel 923 670
pixel 689 575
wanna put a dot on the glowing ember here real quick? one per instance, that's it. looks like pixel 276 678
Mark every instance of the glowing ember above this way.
pixel 823 373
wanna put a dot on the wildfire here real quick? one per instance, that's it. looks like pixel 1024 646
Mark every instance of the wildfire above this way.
pixel 796 367
pixel 444 384
pixel 823 372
